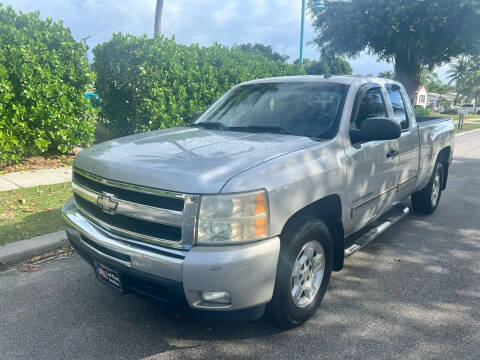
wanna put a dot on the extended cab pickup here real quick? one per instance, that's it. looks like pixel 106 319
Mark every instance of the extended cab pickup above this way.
pixel 261 198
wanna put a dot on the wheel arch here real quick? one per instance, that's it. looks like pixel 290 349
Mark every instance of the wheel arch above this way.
pixel 444 156
pixel 329 210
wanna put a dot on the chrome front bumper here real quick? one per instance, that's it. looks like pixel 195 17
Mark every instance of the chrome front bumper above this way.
pixel 246 271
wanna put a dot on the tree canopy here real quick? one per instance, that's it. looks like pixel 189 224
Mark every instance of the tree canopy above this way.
pixel 327 65
pixel 265 50
pixel 412 34
pixel 387 74
pixel 433 83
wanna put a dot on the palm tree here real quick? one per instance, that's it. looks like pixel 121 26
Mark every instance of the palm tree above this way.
pixel 457 73
pixel 466 74
pixel 158 19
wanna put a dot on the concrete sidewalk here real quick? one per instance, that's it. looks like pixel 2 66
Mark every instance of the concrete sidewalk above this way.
pixel 25 179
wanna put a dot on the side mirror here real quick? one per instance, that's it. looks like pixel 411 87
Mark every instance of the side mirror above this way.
pixel 195 116
pixel 376 129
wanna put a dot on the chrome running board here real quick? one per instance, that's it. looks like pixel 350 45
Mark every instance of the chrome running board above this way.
pixel 397 213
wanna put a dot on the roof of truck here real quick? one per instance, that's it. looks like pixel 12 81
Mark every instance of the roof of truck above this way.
pixel 337 79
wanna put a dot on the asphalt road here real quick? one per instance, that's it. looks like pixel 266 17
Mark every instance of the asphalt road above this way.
pixel 425 306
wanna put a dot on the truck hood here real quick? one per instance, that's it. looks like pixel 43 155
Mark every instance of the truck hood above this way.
pixel 188 160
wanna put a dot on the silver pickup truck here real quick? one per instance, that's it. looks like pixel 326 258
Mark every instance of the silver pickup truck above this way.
pixel 255 204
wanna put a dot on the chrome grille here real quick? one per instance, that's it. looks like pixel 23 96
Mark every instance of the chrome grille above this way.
pixel 143 214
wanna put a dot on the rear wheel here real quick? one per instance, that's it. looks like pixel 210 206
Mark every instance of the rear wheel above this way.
pixel 426 201
pixel 303 272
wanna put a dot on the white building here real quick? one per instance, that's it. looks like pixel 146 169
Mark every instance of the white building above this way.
pixel 421 96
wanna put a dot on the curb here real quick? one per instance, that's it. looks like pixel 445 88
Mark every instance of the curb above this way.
pixel 467 132
pixel 25 249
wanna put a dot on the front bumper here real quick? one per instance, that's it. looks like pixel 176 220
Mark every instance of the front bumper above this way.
pixel 176 277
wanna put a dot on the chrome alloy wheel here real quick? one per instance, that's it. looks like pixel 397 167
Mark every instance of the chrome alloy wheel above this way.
pixel 307 274
pixel 436 188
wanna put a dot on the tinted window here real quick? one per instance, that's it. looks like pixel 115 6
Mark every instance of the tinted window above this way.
pixel 399 111
pixel 298 108
pixel 371 106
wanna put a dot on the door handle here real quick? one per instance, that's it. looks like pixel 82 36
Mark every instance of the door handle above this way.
pixel 392 153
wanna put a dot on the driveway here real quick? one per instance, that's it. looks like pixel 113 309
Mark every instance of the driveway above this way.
pixel 413 293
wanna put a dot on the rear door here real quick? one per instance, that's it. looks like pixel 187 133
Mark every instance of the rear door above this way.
pixel 372 170
pixel 408 143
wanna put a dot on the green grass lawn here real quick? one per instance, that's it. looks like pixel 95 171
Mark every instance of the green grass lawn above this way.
pixel 30 212
pixel 467 127
pixel 455 117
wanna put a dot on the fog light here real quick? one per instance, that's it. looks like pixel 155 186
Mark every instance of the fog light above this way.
pixel 217 297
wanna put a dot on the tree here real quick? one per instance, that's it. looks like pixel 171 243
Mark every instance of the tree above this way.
pixel 458 70
pixel 327 65
pixel 387 74
pixel 466 74
pixel 157 30
pixel 412 34
pixel 433 83
pixel 266 51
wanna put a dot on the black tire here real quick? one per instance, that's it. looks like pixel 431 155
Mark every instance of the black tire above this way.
pixel 422 201
pixel 282 308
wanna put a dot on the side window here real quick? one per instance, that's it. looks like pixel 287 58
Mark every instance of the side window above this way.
pixel 399 110
pixel 371 105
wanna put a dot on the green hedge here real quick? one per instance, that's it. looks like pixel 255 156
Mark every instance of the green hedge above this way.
pixel 148 84
pixel 421 111
pixel 43 77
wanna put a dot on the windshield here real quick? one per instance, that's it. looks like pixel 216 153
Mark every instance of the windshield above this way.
pixel 295 108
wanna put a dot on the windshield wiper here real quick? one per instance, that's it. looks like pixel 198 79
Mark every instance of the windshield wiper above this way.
pixel 265 128
pixel 252 128
pixel 211 125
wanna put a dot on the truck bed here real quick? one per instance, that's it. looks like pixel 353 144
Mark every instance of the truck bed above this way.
pixel 425 120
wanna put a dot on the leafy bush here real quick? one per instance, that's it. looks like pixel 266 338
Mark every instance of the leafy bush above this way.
pixel 43 76
pixel 421 111
pixel 148 84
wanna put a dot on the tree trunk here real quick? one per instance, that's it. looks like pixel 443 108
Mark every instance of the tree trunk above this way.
pixel 408 71
pixel 158 19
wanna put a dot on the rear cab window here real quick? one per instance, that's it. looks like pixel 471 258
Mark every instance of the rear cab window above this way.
pixel 398 105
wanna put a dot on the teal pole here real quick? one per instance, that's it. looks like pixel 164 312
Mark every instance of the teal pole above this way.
pixel 302 32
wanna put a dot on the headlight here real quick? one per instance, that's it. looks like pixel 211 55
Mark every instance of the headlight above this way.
pixel 233 218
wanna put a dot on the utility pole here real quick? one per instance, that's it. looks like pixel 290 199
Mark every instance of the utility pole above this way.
pixel 317 4
pixel 302 30
pixel 157 30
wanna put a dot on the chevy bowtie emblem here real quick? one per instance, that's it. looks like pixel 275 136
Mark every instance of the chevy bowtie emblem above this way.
pixel 106 202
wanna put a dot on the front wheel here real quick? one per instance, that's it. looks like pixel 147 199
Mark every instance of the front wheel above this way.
pixel 426 201
pixel 303 273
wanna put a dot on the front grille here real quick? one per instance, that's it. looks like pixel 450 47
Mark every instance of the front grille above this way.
pixel 137 214
pixel 143 227
pixel 127 195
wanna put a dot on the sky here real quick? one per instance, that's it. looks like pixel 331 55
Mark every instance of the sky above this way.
pixel 270 22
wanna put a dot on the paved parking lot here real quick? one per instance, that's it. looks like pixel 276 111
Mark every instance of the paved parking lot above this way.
pixel 412 294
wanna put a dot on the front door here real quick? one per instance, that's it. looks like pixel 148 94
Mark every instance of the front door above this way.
pixel 372 167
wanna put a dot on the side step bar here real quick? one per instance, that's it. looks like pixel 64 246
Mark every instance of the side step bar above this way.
pixel 392 217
